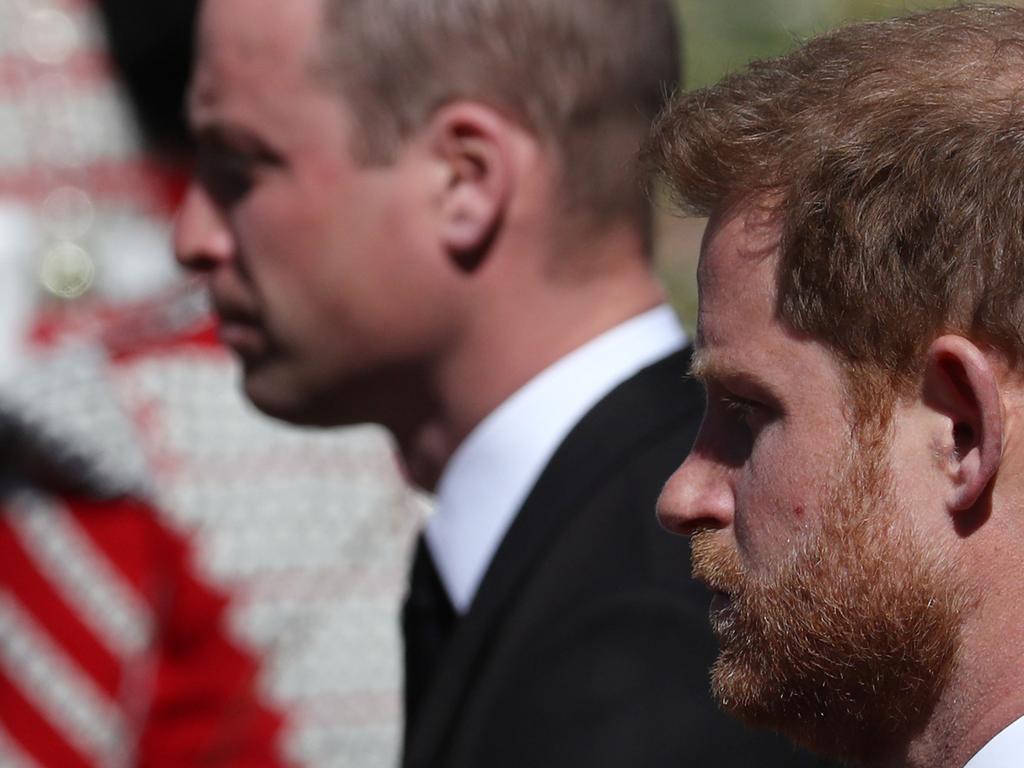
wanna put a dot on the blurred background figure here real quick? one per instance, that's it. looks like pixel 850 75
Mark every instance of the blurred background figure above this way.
pixel 269 581
pixel 113 651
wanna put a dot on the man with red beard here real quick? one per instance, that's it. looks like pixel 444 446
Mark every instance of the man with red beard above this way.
pixel 854 494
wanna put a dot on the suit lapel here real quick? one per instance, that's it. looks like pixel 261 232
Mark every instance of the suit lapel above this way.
pixel 652 400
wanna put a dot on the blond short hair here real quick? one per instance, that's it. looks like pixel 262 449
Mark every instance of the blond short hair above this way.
pixel 586 76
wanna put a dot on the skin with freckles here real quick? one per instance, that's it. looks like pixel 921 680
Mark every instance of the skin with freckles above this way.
pixel 858 612
pixel 829 530
pixel 771 396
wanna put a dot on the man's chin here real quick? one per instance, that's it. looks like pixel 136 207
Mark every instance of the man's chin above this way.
pixel 875 623
pixel 278 393
pixel 277 398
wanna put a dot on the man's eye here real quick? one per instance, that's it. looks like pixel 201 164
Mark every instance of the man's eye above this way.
pixel 746 411
pixel 228 176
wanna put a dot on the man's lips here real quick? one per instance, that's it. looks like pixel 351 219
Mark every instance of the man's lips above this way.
pixel 720 601
pixel 243 337
pixel 720 614
pixel 238 329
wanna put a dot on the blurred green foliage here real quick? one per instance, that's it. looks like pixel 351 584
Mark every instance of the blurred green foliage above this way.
pixel 723 35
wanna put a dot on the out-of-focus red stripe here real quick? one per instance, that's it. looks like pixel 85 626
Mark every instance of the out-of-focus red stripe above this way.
pixel 36 737
pixel 37 596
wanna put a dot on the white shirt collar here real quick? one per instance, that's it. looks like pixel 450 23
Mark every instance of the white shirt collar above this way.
pixel 492 471
pixel 1003 751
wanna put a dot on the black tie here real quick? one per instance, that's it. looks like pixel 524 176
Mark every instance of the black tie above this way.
pixel 428 619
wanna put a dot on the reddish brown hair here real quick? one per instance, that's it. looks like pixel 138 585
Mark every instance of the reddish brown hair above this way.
pixel 892 154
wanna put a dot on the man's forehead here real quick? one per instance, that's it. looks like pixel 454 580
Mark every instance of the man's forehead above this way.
pixel 258 22
pixel 740 235
pixel 737 275
pixel 259 44
pixel 740 335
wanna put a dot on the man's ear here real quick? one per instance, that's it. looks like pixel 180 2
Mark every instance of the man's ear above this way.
pixel 474 145
pixel 961 383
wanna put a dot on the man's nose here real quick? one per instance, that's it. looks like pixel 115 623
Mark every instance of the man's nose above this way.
pixel 202 239
pixel 697 496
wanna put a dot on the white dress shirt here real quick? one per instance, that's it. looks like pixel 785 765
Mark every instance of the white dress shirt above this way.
pixel 492 471
pixel 1006 750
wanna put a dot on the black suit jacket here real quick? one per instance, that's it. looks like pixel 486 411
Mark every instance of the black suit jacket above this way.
pixel 588 643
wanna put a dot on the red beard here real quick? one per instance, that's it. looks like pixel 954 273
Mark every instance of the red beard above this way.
pixel 845 642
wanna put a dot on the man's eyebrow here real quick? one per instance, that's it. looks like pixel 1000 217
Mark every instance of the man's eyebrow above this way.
pixel 708 369
pixel 199 96
pixel 705 368
pixel 699 365
pixel 226 135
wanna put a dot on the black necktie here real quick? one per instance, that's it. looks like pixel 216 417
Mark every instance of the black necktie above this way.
pixel 428 619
